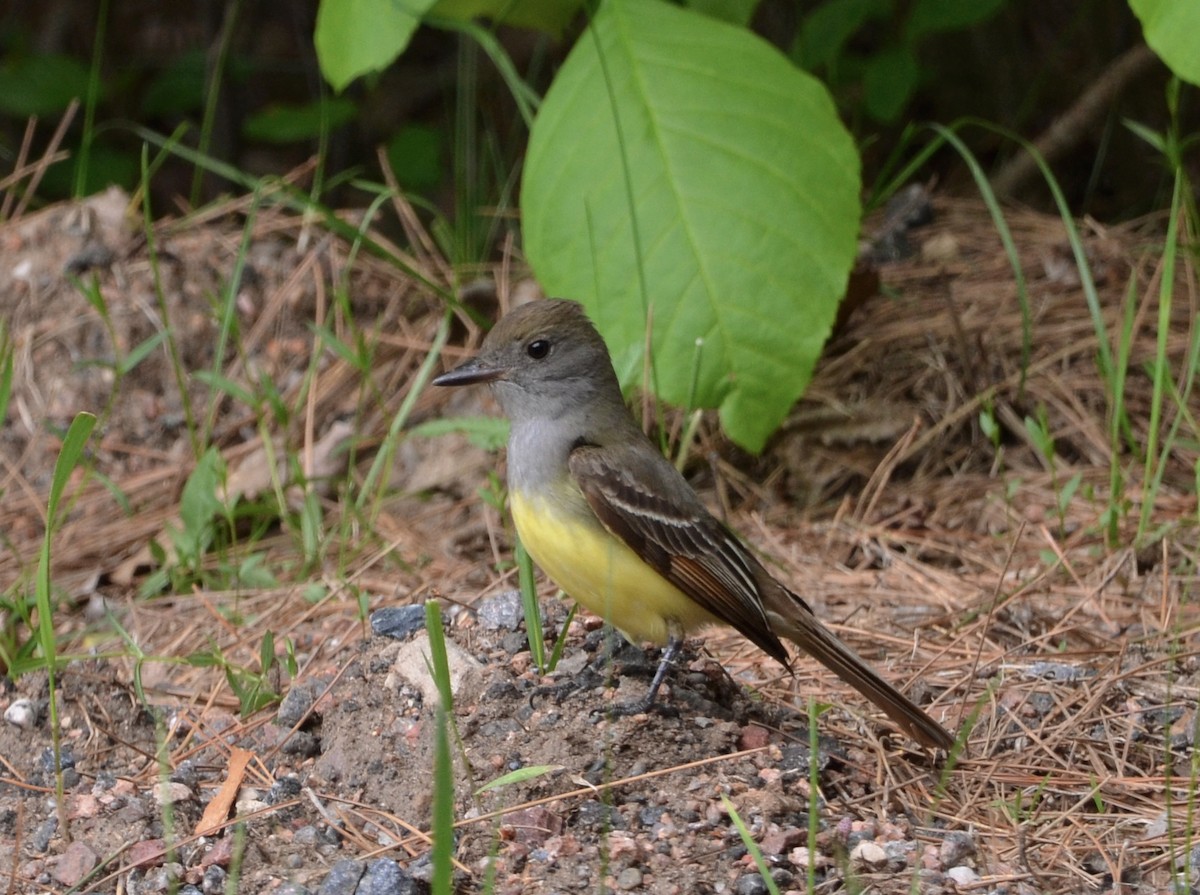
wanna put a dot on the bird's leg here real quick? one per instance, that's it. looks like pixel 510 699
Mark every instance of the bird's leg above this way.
pixel 648 701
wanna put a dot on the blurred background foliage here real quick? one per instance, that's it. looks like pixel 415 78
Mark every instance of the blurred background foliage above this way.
pixel 239 80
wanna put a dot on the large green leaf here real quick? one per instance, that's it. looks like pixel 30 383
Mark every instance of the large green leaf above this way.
pixel 731 184
pixel 1172 28
pixel 357 37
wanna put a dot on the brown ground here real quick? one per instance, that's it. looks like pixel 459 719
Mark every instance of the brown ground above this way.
pixel 941 556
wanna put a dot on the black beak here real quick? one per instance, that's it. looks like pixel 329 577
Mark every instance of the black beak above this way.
pixel 470 373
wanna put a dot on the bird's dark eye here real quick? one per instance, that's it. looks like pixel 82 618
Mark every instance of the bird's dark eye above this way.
pixel 538 348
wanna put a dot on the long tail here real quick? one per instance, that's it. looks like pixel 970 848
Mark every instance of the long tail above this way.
pixel 799 625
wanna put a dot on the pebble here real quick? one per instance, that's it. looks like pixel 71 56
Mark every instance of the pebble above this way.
pixel 962 876
pixel 284 788
pixel 40 841
pixel 146 853
pixel 172 793
pixel 21 713
pixel 630 878
pixel 296 703
pixel 66 760
pixel 781 840
pixel 343 878
pixel 869 855
pixel 501 612
pixel 956 848
pixel 398 622
pixel 75 864
pixel 213 882
pixel 185 773
pixel 385 877
pixel 162 879
pixel 750 884
pixel 305 835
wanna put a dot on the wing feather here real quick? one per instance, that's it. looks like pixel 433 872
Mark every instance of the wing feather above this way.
pixel 657 515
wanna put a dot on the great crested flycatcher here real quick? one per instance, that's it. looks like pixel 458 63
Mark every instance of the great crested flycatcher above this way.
pixel 613 523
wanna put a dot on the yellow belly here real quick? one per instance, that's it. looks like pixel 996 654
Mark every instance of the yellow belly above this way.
pixel 601 573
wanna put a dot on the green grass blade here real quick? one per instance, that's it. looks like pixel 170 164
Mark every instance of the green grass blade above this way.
pixel 529 605
pixel 988 195
pixel 443 766
pixel 1155 464
pixel 68 459
pixel 751 846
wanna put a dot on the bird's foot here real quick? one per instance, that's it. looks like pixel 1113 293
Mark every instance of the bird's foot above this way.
pixel 586 679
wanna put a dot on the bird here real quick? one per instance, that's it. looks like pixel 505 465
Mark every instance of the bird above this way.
pixel 618 528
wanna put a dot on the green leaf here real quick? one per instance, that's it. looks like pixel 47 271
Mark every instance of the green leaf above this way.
pixel 929 16
pixel 41 85
pixel 357 37
pixel 520 775
pixel 889 81
pixel 198 503
pixel 283 123
pixel 551 16
pixel 1170 28
pixel 730 184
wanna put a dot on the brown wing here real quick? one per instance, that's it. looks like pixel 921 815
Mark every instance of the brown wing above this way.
pixel 643 501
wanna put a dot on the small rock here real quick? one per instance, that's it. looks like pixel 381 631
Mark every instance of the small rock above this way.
pixel 343 878
pixel 398 622
pixel 284 788
pixel 75 864
pixel 185 773
pixel 898 851
pixel 956 848
pixel 220 854
pixel 21 713
pixel 752 736
pixel 780 841
pixel 162 879
pixel 962 876
pixel 146 853
pixel 412 664
pixel 297 702
pixel 66 759
pixel 800 856
pixel 595 816
pixel 385 877
pixel 532 826
pixel 172 793
pixel 868 855
pixel 248 806
pixel 213 882
pixel 40 841
pixel 305 836
pixel 501 612
pixel 750 884
pixel 630 878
